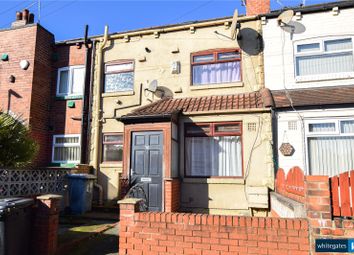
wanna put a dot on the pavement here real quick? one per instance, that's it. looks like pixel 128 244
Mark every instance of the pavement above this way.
pixel 96 235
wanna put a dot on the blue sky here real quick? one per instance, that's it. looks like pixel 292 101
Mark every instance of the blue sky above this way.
pixel 67 18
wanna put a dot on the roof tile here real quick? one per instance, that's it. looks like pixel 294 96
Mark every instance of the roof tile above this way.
pixel 201 104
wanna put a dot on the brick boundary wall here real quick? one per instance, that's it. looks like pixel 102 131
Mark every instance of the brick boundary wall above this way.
pixel 202 234
pixel 44 231
pixel 319 212
pixel 172 195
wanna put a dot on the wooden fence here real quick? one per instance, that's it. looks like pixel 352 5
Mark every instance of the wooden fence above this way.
pixel 342 194
pixel 292 185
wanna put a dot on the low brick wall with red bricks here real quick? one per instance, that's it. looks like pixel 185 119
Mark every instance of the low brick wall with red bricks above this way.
pixel 188 233
pixel 45 225
pixel 172 195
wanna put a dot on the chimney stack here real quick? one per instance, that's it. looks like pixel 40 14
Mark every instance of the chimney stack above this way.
pixel 256 7
pixel 23 18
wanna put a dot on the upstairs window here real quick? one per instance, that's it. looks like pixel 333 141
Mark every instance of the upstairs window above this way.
pixel 323 59
pixel 70 81
pixel 66 149
pixel 119 77
pixel 216 66
pixel 213 149
pixel 330 146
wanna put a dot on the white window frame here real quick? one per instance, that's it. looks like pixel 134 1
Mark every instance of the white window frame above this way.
pixel 321 51
pixel 70 82
pixel 65 145
pixel 336 133
pixel 117 63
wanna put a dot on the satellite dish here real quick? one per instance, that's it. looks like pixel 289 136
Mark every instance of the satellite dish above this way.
pixel 234 24
pixel 153 86
pixel 285 17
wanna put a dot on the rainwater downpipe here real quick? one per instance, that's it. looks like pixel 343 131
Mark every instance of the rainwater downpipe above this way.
pixel 98 100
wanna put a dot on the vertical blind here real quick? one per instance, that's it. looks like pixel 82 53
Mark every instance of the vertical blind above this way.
pixel 66 149
pixel 213 156
pixel 331 155
pixel 324 64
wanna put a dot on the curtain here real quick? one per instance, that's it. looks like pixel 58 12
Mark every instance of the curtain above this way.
pixel 324 64
pixel 213 156
pixel 347 126
pixel 331 155
pixel 63 82
pixel 322 127
pixel 65 154
pixel 216 73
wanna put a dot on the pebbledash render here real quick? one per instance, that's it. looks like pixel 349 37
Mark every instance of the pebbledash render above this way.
pixel 182 109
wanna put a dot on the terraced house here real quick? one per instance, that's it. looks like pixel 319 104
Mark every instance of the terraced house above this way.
pixel 47 85
pixel 182 110
pixel 313 86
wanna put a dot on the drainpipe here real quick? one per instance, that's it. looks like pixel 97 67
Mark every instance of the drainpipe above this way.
pixel 85 99
pixel 96 141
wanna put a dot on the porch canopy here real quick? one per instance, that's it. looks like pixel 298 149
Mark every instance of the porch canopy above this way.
pixel 168 109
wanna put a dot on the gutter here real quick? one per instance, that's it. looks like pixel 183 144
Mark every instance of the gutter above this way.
pixel 97 109
pixel 165 29
pixel 312 9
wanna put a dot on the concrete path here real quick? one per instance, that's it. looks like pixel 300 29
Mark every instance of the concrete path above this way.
pixel 105 243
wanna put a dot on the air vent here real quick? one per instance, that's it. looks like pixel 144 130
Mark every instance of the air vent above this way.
pixel 292 125
pixel 252 127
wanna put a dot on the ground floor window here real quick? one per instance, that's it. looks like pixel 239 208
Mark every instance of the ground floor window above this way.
pixel 66 149
pixel 213 149
pixel 112 147
pixel 330 146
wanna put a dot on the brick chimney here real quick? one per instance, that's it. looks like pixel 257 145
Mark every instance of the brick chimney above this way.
pixel 256 7
pixel 23 18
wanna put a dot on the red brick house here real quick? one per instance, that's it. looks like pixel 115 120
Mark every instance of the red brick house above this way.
pixel 51 106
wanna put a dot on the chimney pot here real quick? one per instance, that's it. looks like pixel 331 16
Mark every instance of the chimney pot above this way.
pixel 256 7
pixel 25 14
pixel 31 18
pixel 18 15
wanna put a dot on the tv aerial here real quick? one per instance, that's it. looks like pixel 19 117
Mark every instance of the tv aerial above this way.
pixel 235 26
pixel 285 18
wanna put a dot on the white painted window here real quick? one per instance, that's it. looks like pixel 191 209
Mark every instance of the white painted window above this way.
pixel 70 80
pixel 323 59
pixel 119 77
pixel 330 146
pixel 66 149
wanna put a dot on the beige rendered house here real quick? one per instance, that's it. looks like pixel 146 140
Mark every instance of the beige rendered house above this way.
pixel 182 110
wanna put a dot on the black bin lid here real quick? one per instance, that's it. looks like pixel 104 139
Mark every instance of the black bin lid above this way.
pixel 14 203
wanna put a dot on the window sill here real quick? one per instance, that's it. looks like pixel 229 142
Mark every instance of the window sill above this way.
pixel 326 77
pixel 216 86
pixel 111 165
pixel 215 180
pixel 121 93
pixel 63 165
pixel 68 97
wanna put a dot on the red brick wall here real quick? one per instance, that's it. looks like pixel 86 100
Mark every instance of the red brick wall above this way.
pixel 40 102
pixel 19 44
pixel 255 7
pixel 45 225
pixel 29 95
pixel 319 211
pixel 184 233
pixel 172 195
pixel 62 116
